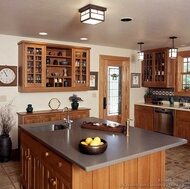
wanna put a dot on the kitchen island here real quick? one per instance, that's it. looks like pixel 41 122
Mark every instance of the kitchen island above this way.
pixel 51 159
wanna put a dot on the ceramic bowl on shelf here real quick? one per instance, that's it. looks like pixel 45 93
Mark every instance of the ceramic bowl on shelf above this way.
pixel 63 63
pixel 92 150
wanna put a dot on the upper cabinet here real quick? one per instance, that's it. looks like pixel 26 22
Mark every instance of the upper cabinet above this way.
pixel 45 67
pixel 157 69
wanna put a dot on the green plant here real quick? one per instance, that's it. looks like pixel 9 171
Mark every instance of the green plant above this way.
pixel 7 120
pixel 148 93
pixel 75 98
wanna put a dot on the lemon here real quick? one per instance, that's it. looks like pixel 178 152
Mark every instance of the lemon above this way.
pixel 94 143
pixel 101 143
pixel 97 139
pixel 84 143
pixel 88 140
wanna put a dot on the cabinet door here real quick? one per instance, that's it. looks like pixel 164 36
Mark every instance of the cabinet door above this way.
pixel 182 125
pixel 32 119
pixel 81 68
pixel 50 117
pixel 25 166
pixel 144 117
pixel 147 68
pixel 34 66
pixel 50 179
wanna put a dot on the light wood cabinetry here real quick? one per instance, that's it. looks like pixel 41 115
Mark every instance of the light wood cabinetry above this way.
pixel 157 69
pixel 182 125
pixel 51 115
pixel 45 67
pixel 53 171
pixel 144 117
pixel 30 162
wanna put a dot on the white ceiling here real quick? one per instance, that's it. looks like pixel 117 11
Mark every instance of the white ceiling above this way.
pixel 154 21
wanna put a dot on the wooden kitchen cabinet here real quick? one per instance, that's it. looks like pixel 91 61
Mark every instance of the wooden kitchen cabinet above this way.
pixel 45 67
pixel 51 115
pixel 158 70
pixel 30 162
pixel 144 117
pixel 182 125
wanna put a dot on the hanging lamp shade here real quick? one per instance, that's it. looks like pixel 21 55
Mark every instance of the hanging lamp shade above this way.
pixel 140 55
pixel 92 14
pixel 173 51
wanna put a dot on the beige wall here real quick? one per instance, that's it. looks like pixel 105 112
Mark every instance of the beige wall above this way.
pixel 9 56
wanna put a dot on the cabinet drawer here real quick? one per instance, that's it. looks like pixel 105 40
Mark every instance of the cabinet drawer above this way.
pixel 58 163
pixel 32 143
pixel 144 109
pixel 183 115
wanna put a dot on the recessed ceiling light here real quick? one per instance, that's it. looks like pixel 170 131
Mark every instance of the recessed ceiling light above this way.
pixel 43 33
pixel 83 38
pixel 183 45
pixel 126 19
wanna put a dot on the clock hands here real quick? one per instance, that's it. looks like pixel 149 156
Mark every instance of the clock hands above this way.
pixel 5 73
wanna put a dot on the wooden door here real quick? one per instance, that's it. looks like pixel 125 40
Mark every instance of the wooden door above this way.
pixel 114 88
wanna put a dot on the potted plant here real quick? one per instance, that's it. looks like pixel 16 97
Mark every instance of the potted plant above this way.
pixel 75 99
pixel 148 97
pixel 7 121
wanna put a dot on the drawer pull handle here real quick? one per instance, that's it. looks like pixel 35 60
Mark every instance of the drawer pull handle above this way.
pixel 28 158
pixel 60 164
pixel 47 154
pixel 52 182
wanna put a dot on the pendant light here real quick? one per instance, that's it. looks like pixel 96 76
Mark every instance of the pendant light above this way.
pixel 140 55
pixel 92 14
pixel 173 51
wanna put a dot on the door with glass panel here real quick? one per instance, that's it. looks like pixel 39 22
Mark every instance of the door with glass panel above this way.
pixel 114 88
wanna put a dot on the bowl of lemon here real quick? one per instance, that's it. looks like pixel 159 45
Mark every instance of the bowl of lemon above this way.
pixel 92 146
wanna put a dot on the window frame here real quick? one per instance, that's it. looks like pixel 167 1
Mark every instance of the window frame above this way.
pixel 179 69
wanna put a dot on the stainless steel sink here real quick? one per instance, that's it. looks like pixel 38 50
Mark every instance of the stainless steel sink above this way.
pixel 52 127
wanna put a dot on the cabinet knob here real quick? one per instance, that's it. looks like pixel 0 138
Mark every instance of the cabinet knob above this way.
pixel 47 154
pixel 52 182
pixel 60 164
pixel 28 158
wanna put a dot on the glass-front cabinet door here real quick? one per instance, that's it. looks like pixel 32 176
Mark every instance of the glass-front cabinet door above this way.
pixel 35 63
pixel 81 67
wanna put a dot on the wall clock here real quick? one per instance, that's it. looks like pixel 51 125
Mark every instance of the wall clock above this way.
pixel 8 75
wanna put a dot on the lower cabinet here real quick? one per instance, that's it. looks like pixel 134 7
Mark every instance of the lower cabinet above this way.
pixel 144 117
pixel 182 125
pixel 41 168
pixel 51 115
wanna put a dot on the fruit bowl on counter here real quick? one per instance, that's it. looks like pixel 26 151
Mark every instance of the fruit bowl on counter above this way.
pixel 92 146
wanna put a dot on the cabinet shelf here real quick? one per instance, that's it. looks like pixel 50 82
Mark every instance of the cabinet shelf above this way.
pixel 41 68
pixel 158 69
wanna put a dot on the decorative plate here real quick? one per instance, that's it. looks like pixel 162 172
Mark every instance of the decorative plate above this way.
pixel 54 103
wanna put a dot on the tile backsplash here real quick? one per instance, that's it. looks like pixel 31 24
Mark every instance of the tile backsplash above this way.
pixel 166 93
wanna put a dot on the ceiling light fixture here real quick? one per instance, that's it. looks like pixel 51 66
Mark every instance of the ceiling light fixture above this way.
pixel 126 19
pixel 43 33
pixel 92 14
pixel 140 55
pixel 173 51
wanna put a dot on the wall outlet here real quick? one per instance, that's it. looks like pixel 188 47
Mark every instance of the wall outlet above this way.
pixel 3 98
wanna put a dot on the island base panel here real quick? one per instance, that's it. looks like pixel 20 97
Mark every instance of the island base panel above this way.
pixel 144 172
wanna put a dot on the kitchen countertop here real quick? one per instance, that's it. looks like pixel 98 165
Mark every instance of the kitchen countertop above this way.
pixel 120 148
pixel 166 105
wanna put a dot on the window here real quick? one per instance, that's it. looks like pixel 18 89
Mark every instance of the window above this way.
pixel 183 73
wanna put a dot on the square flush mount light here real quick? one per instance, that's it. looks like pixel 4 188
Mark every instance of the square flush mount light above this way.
pixel 92 14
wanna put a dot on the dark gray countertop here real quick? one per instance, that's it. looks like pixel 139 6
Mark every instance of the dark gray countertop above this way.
pixel 120 148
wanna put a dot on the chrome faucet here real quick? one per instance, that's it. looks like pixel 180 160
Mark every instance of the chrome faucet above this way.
pixel 68 121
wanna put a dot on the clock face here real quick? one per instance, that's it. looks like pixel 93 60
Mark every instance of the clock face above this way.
pixel 7 76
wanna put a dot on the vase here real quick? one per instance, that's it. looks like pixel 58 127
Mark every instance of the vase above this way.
pixel 75 105
pixel 5 148
pixel 29 108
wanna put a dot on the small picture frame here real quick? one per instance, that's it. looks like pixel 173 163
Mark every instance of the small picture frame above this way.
pixel 93 80
pixel 135 80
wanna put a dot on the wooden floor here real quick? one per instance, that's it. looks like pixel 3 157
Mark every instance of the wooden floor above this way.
pixel 177 170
